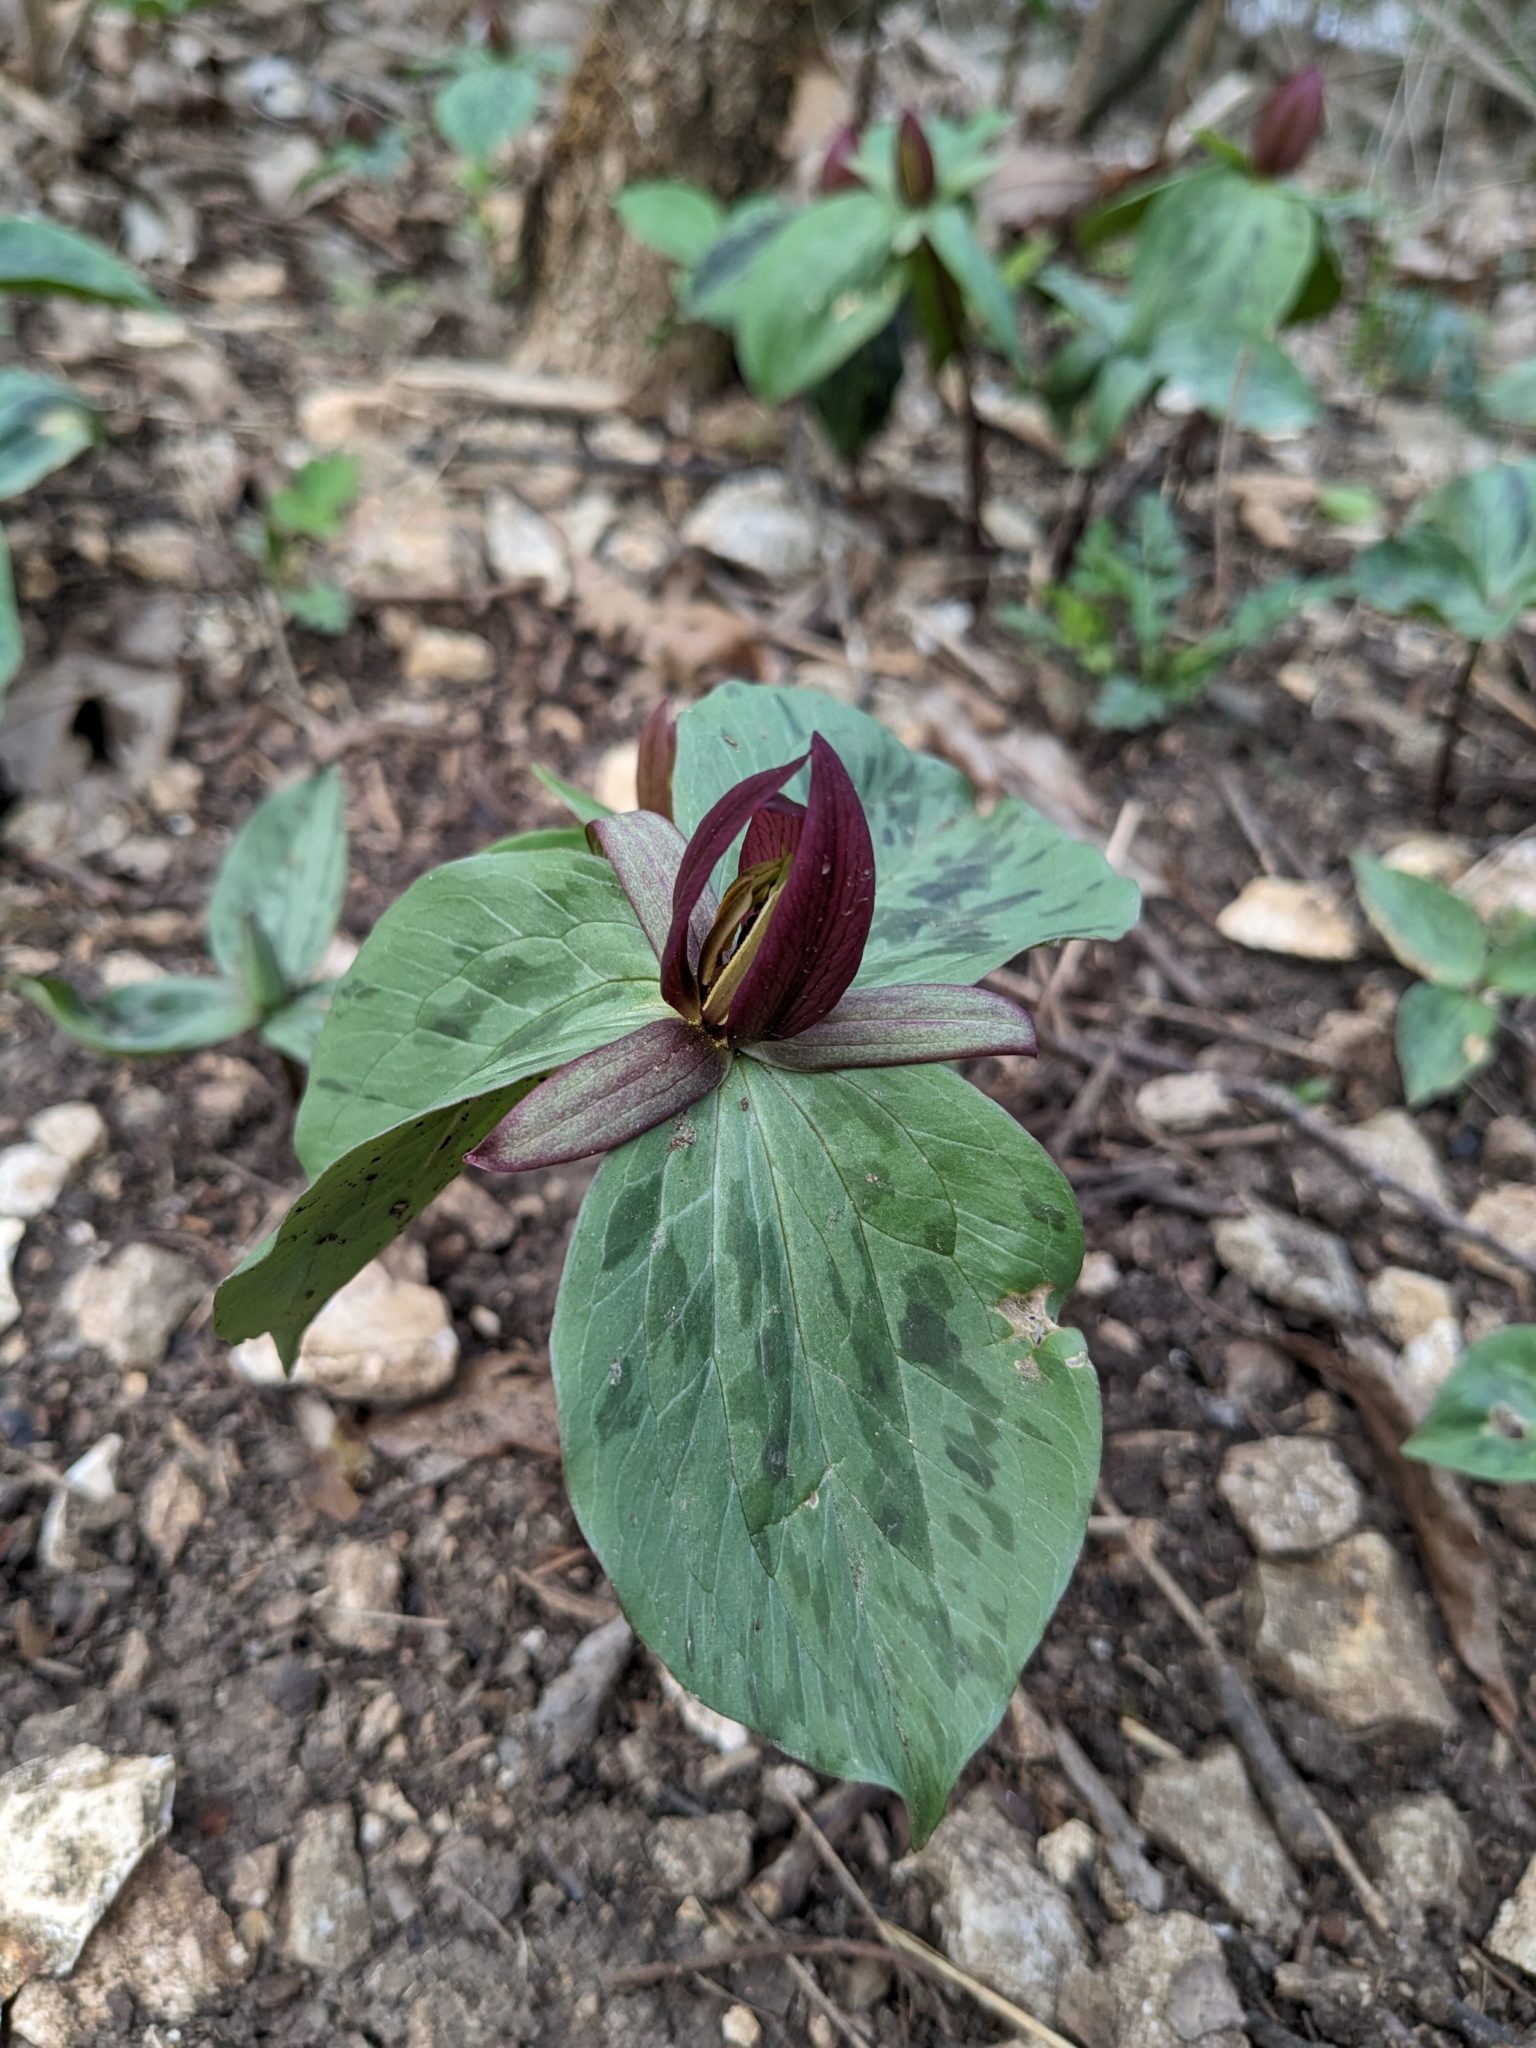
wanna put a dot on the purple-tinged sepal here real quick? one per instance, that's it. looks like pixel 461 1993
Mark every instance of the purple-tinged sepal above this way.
pixel 1288 124
pixel 645 852
pixel 606 1098
pixel 906 1026
pixel 658 758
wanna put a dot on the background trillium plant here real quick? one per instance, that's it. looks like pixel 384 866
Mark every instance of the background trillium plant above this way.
pixel 820 1425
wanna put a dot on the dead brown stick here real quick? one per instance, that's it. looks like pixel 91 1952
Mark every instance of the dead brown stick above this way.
pixel 780 1889
pixel 829 2008
pixel 907 1945
pixel 1304 1827
pixel 1221 514
pixel 1116 850
pixel 1124 1842
pixel 637 1976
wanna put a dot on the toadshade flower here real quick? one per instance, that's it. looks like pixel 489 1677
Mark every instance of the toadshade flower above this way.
pixel 765 970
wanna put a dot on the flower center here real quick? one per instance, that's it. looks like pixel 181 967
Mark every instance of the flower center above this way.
pixel 736 934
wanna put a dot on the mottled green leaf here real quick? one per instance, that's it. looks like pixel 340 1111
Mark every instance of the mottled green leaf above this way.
pixel 567 838
pixel 1483 1421
pixel 36 256
pixel 836 1486
pixel 286 868
pixel 484 975
pixel 319 605
pixel 358 1205
pixel 485 971
pixel 1223 249
pixel 1443 1037
pixel 1431 931
pixel 956 894
pixel 953 239
pixel 1223 371
pixel 1467 555
pixel 43 425
pixel 678 221
pixel 174 1013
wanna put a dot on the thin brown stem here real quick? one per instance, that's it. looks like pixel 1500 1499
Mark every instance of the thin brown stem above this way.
pixel 1455 714
pixel 975 457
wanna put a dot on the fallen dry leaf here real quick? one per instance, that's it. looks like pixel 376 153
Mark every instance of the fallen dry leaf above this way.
pixel 1275 914
pixel 682 639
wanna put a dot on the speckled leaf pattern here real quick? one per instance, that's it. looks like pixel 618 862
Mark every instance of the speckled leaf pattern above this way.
pixel 485 971
pixel 956 894
pixel 485 974
pixel 360 1204
pixel 835 1486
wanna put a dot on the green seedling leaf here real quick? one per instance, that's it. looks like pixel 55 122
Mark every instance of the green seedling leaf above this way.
pixel 1428 929
pixel 321 606
pixel 315 504
pixel 817 1423
pixel 37 257
pixel 486 107
pixel 582 806
pixel 956 894
pixel 1125 705
pixel 12 646
pixel 286 870
pixel 43 425
pixel 1483 1421
pixel 820 285
pixel 294 1029
pixel 1512 954
pixel 1444 1037
pixel 261 972
pixel 1348 504
pixel 174 1013
pixel 678 221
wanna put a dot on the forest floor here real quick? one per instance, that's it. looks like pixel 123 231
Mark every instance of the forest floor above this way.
pixel 529 570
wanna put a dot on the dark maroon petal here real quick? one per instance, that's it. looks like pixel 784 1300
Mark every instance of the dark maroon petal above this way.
pixel 915 179
pixel 646 852
pixel 658 757
pixel 905 1026
pixel 606 1098
pixel 1288 123
pixel 774 831
pixel 712 838
pixel 837 172
pixel 816 933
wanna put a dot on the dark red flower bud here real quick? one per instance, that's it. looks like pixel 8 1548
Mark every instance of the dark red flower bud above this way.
pixel 837 172
pixel 915 179
pixel 658 756
pixel 1288 123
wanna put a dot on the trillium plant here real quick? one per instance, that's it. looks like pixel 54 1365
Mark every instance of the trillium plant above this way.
pixel 820 1424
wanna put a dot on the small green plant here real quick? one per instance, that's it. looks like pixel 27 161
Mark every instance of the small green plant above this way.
pixel 1483 1421
pixel 311 507
pixel 819 1423
pixel 1407 338
pixel 1116 618
pixel 1466 558
pixel 492 96
pixel 45 423
pixel 1222 258
pixel 273 912
pixel 1446 1023
pixel 819 297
